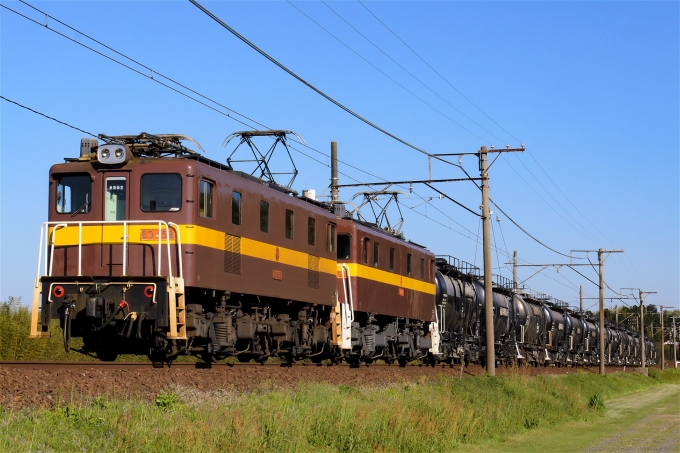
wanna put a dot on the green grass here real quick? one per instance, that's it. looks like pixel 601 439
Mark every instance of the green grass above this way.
pixel 445 414
pixel 15 326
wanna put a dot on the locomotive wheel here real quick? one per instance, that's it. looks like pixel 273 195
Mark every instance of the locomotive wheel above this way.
pixel 106 355
pixel 242 358
pixel 317 359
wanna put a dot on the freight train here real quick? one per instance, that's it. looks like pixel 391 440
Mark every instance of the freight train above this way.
pixel 152 249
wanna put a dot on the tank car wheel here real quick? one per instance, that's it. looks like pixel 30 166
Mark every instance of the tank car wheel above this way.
pixel 106 355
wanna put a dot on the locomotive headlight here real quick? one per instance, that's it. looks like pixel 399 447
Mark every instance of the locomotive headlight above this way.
pixel 113 153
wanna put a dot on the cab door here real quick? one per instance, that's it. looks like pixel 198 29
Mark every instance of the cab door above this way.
pixel 115 205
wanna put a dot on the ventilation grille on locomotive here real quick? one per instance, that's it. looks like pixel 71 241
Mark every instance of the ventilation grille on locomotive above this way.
pixel 313 271
pixel 232 254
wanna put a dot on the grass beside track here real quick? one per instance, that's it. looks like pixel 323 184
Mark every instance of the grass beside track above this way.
pixel 439 415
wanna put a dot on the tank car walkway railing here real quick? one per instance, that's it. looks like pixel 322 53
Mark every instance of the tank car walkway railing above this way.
pixel 48 241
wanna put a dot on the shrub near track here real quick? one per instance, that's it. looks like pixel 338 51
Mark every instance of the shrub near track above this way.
pixel 434 415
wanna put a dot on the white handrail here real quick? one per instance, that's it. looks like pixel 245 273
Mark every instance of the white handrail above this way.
pixel 178 241
pixel 50 244
pixel 349 283
pixel 54 233
pixel 80 248
pixel 158 267
pixel 125 247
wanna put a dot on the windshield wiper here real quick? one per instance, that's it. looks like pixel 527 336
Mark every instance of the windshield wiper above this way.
pixel 84 208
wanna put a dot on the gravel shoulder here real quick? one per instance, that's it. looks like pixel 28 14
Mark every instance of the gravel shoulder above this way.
pixel 39 387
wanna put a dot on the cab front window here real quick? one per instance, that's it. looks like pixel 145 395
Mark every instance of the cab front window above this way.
pixel 161 192
pixel 74 193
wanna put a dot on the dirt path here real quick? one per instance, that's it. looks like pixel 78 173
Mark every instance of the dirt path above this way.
pixel 647 421
pixel 658 431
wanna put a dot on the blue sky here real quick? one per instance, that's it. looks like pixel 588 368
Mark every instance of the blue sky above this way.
pixel 591 89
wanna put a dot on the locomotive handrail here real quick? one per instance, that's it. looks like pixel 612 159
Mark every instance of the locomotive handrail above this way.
pixel 178 241
pixel 349 301
pixel 50 244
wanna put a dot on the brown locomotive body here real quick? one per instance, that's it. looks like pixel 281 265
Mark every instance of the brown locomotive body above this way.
pixel 389 276
pixel 223 246
pixel 196 258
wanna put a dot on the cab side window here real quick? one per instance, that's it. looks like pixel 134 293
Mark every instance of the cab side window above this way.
pixel 344 246
pixel 289 223
pixel 391 258
pixel 236 208
pixel 205 200
pixel 330 237
pixel 264 216
pixel 408 264
pixel 311 231
pixel 364 251
pixel 376 254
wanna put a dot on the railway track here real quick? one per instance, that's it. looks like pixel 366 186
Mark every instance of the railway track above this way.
pixel 45 365
pixel 181 365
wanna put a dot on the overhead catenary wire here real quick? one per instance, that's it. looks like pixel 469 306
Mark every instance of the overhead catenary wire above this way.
pixel 184 86
pixel 407 71
pixel 531 155
pixel 477 241
pixel 270 58
pixel 49 117
pixel 93 135
pixel 297 77
pixel 385 74
pixel 436 72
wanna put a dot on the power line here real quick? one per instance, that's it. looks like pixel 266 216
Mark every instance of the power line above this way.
pixel 495 122
pixel 191 90
pixel 435 71
pixel 385 74
pixel 49 117
pixel 526 232
pixel 270 58
pixel 321 93
pixel 542 199
pixel 152 71
pixel 406 70
pixel 212 108
pixel 554 199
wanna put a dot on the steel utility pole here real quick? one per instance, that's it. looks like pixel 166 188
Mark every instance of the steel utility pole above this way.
pixel 600 260
pixel 616 314
pixel 514 270
pixel 486 239
pixel 600 253
pixel 580 299
pixel 642 323
pixel 488 289
pixel 602 327
pixel 334 172
pixel 675 349
pixel 663 337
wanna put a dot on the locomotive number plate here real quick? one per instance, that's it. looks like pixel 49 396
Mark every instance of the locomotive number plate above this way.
pixel 152 235
pixel 277 275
